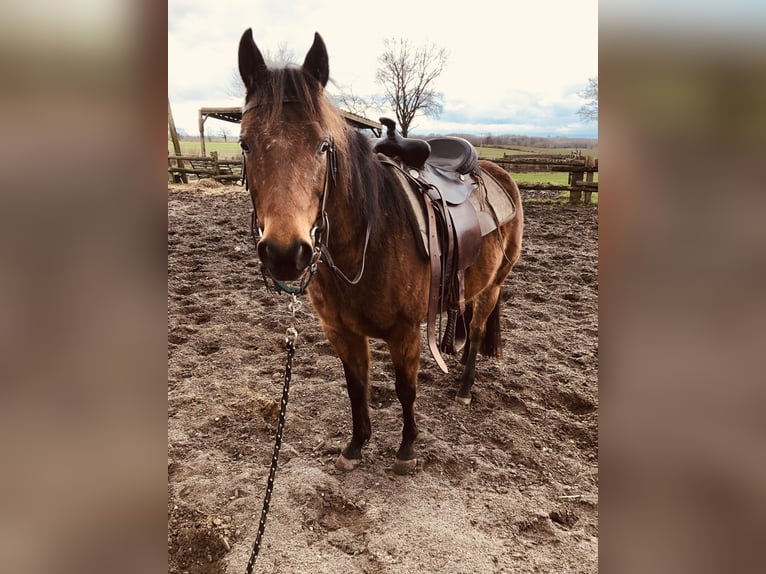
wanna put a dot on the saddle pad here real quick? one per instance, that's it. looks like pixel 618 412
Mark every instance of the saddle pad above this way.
pixel 493 206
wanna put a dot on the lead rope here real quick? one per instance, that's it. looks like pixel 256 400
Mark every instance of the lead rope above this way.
pixel 291 338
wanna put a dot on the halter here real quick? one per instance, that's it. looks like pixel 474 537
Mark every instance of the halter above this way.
pixel 320 232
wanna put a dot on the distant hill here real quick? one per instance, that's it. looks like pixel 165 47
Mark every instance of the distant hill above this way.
pixel 509 141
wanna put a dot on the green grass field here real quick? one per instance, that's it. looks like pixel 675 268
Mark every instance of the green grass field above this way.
pixel 551 177
pixel 495 152
pixel 226 150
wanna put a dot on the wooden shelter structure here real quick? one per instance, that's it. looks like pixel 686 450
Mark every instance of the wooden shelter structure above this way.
pixel 234 115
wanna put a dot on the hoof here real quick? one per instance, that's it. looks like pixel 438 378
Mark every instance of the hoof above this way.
pixel 402 467
pixel 463 400
pixel 346 465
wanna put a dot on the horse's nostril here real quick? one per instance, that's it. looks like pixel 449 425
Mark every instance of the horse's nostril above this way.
pixel 285 263
pixel 303 255
pixel 264 251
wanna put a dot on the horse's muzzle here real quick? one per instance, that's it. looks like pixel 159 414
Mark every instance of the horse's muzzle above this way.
pixel 285 263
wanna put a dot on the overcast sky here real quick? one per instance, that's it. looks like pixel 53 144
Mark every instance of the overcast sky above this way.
pixel 513 67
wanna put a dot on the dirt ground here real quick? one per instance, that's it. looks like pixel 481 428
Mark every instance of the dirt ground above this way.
pixel 508 484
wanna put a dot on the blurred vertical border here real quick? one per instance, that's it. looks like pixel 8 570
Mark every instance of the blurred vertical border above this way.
pixel 82 286
pixel 83 291
pixel 682 306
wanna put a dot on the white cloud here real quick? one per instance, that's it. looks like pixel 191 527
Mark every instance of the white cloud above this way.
pixel 507 60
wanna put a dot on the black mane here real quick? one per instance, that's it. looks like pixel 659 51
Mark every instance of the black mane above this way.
pixel 378 198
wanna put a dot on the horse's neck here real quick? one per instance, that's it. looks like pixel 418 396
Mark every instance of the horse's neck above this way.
pixel 357 193
pixel 362 202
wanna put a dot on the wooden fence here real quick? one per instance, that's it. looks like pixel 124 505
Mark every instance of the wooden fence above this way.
pixel 580 169
pixel 223 170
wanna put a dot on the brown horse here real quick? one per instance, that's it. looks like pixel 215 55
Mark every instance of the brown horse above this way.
pixel 328 213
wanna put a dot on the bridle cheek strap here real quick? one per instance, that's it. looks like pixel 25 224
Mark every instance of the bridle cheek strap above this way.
pixel 321 224
pixel 322 220
pixel 320 232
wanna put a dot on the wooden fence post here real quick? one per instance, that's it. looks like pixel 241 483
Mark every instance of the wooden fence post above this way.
pixel 589 163
pixel 178 178
pixel 575 177
pixel 202 133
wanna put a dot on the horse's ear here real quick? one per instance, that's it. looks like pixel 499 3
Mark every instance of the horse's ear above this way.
pixel 316 63
pixel 252 66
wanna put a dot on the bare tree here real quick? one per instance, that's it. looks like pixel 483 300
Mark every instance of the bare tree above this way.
pixel 407 74
pixel 346 99
pixel 589 112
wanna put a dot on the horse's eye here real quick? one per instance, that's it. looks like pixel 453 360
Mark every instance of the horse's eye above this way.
pixel 324 147
pixel 244 146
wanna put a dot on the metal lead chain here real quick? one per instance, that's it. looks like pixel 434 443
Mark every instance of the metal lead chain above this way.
pixel 291 339
pixel 291 335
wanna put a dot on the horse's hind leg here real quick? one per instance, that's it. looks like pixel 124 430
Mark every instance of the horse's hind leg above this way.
pixel 485 323
pixel 354 353
pixel 405 355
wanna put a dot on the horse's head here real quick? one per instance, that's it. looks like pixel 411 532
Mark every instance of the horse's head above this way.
pixel 287 142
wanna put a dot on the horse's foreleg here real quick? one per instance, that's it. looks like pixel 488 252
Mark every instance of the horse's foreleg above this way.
pixel 354 353
pixel 405 355
pixel 483 308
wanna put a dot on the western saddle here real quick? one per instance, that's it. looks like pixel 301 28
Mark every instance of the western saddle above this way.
pixel 443 173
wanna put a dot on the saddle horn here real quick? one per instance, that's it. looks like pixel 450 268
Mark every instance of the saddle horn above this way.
pixel 411 151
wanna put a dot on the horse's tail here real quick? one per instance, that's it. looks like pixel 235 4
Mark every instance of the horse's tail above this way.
pixel 492 345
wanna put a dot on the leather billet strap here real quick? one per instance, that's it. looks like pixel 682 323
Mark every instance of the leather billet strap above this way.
pixel 434 287
pixel 434 255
